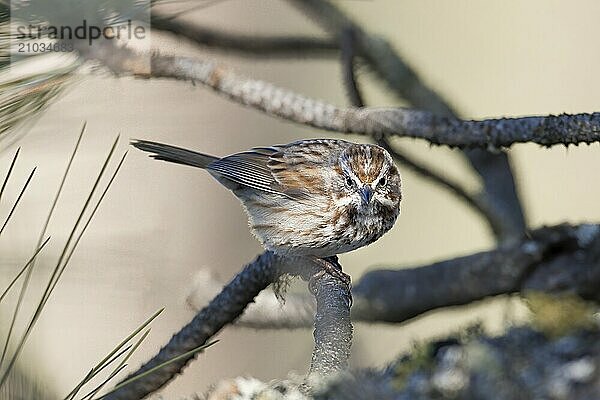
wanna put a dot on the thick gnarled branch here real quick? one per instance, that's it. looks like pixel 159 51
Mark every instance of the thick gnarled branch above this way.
pixel 398 295
pixel 333 329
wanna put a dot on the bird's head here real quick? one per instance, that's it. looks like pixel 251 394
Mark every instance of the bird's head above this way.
pixel 369 179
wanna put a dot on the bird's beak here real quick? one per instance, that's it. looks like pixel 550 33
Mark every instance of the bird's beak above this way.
pixel 366 194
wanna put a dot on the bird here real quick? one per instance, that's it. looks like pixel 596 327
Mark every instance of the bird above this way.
pixel 309 198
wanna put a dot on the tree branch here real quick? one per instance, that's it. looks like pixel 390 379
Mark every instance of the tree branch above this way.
pixel 490 133
pixel 333 329
pixel 561 258
pixel 246 44
pixel 398 295
pixel 348 59
pixel 476 203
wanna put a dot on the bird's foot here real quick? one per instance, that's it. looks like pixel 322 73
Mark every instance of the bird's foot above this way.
pixel 332 266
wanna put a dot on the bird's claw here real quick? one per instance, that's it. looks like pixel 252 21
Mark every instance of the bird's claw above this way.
pixel 331 266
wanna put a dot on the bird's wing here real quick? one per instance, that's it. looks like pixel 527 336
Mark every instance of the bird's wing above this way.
pixel 249 169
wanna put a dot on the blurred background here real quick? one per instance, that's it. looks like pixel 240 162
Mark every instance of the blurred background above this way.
pixel 161 223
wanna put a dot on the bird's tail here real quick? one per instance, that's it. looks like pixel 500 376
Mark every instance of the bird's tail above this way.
pixel 165 152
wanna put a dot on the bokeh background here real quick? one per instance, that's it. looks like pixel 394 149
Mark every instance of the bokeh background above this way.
pixel 161 223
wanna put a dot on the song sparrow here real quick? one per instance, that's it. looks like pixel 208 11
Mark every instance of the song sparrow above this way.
pixel 316 198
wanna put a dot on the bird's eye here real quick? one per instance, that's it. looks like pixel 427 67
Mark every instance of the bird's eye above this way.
pixel 382 181
pixel 349 181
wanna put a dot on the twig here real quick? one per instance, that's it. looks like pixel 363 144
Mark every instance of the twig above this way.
pixel 475 202
pixel 348 59
pixel 499 190
pixel 246 44
pixel 378 53
pixel 297 312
